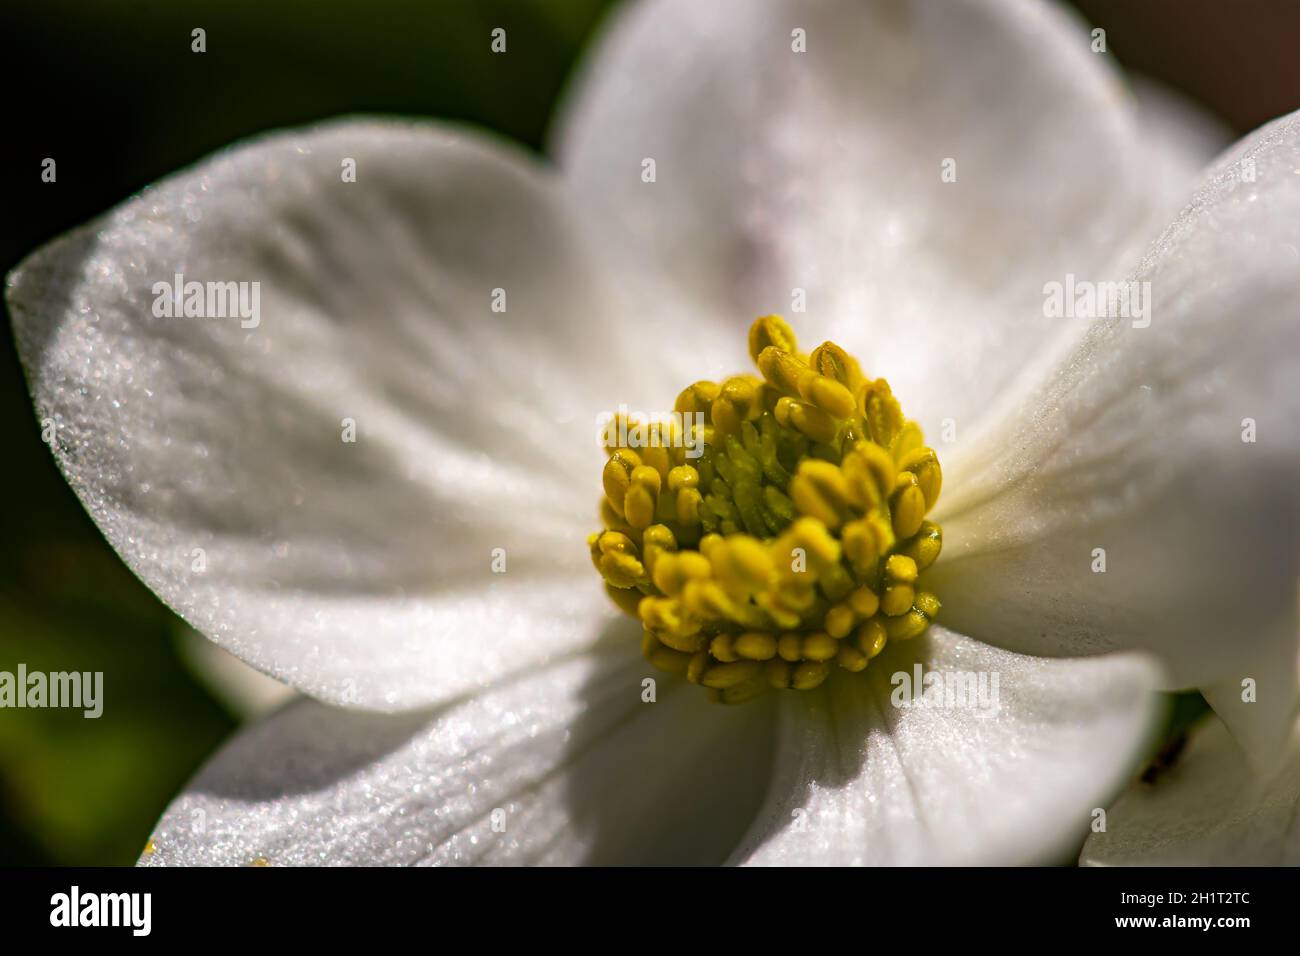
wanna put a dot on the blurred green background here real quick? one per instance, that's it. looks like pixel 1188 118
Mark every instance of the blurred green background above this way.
pixel 111 89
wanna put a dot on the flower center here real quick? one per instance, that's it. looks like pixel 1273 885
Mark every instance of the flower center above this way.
pixel 771 528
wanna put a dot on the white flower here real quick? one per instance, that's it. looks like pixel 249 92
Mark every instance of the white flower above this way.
pixel 360 572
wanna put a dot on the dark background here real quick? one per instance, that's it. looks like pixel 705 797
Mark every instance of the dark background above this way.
pixel 110 89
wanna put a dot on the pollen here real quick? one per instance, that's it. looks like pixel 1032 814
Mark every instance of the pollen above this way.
pixel 773 529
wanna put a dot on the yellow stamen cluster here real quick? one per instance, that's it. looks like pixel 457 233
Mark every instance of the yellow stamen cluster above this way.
pixel 774 528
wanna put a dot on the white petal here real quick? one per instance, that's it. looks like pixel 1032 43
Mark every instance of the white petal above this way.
pixel 1257 697
pixel 1133 444
pixel 212 455
pixel 1208 809
pixel 859 780
pixel 821 171
pixel 570 760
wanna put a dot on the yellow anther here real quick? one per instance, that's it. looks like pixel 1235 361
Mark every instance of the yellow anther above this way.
pixel 884 417
pixel 809 674
pixel 615 542
pixel 656 541
pixel 908 440
pixel 737 402
pixel 871 476
pixel 696 666
pixel 689 502
pixel 928 605
pixel 621 570
pixel 742 392
pixel 828 395
pixel 925 545
pixel 710 543
pixel 672 571
pixel 663 658
pixel 899 580
pixel 617 426
pixel 790 647
pixel 729 675
pixel 830 360
pixel 897 599
pixel 865 541
pixel 798 597
pixel 686 643
pixel 900 568
pixel 658 536
pixel 616 483
pixel 914 621
pixel 670 623
pixel 778 611
pixel 658 459
pixel 723 648
pixel 807 418
pixel 851 659
pixel 707 600
pixel 908 504
pixel 839 620
pixel 750 559
pixel 639 507
pixel 617 476
pixel 683 476
pixel 864 602
pixel 741 565
pixel 755 645
pixel 924 463
pixel 642 496
pixel 818 646
pixel 697 398
pixel 792 544
pixel 818 546
pixel 837 583
pixel 782 369
pixel 820 491
pixel 770 330
pixel 871 637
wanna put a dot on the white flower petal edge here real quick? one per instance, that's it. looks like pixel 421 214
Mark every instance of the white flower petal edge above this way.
pixel 822 171
pixel 245 692
pixel 860 781
pixel 1133 443
pixel 1208 809
pixel 564 766
pixel 212 455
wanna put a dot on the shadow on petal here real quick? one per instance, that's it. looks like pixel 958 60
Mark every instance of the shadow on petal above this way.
pixel 673 781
